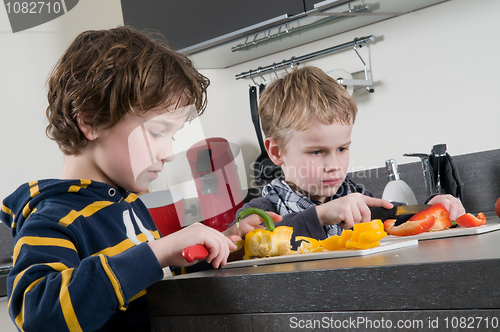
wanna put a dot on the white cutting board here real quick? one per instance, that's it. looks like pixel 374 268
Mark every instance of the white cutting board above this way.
pixel 386 246
pixel 450 232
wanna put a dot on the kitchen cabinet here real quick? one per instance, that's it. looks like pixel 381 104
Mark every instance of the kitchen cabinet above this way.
pixel 212 32
pixel 188 23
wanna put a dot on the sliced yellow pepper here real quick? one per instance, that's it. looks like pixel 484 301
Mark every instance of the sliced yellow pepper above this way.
pixel 365 227
pixel 332 243
pixel 313 242
pixel 364 236
pixel 344 237
pixel 372 236
pixel 308 245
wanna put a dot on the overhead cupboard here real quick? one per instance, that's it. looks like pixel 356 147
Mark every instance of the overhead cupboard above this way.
pixel 222 33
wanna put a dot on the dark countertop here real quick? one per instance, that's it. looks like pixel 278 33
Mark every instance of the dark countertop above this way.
pixel 460 274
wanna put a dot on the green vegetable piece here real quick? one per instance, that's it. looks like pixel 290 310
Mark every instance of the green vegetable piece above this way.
pixel 261 213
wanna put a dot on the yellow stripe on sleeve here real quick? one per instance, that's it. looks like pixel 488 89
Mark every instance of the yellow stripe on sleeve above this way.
pixel 115 250
pixel 141 293
pixel 7 210
pixel 20 318
pixel 114 281
pixel 66 305
pixel 124 245
pixel 86 212
pixel 34 190
pixel 56 266
pixel 41 241
pixel 74 189
pixel 26 211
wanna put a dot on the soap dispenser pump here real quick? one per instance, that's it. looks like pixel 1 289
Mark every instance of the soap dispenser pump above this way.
pixel 396 189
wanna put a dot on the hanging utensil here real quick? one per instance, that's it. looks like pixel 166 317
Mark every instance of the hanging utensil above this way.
pixel 264 169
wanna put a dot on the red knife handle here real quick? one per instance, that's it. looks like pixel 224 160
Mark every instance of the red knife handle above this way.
pixel 195 252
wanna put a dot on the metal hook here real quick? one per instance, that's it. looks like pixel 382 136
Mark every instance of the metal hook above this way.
pixel 292 61
pixel 274 70
pixel 254 39
pixel 258 72
pixel 246 41
pixel 369 89
pixel 254 83
pixel 283 65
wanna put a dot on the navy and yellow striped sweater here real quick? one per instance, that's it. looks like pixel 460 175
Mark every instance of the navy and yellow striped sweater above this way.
pixel 81 258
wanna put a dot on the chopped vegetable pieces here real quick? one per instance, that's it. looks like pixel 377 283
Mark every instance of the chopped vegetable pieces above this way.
pixel 441 217
pixel 364 236
pixel 468 220
pixel 411 227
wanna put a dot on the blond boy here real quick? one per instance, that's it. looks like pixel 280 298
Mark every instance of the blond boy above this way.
pixel 307 118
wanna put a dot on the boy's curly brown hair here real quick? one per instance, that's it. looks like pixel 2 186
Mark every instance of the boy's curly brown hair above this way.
pixel 293 101
pixel 105 74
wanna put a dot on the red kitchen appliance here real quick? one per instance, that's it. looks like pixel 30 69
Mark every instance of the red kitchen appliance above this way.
pixel 214 171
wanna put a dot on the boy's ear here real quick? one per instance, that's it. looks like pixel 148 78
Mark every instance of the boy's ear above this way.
pixel 273 151
pixel 87 130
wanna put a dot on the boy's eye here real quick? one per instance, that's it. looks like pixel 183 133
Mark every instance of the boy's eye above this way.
pixel 315 153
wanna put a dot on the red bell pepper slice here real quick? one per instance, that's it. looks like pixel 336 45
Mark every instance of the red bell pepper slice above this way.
pixel 468 220
pixel 411 227
pixel 441 215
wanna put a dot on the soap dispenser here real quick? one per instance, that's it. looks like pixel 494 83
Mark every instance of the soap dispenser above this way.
pixel 396 189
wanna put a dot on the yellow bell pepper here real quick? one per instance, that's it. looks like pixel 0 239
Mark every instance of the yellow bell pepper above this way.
pixel 344 237
pixel 308 245
pixel 272 241
pixel 332 243
pixel 364 236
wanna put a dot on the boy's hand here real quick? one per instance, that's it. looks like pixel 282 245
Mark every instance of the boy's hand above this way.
pixel 451 203
pixel 168 250
pixel 349 210
pixel 250 223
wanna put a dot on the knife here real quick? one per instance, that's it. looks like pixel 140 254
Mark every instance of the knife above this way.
pixel 401 212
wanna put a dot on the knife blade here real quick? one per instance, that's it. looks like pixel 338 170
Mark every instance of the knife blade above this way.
pixel 397 212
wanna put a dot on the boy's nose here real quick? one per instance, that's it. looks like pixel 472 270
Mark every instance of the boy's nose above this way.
pixel 331 164
pixel 169 158
pixel 332 168
pixel 166 152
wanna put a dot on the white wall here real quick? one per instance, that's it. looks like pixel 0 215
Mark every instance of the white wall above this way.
pixel 436 73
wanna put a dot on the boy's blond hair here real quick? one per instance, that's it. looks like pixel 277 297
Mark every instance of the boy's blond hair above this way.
pixel 306 94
